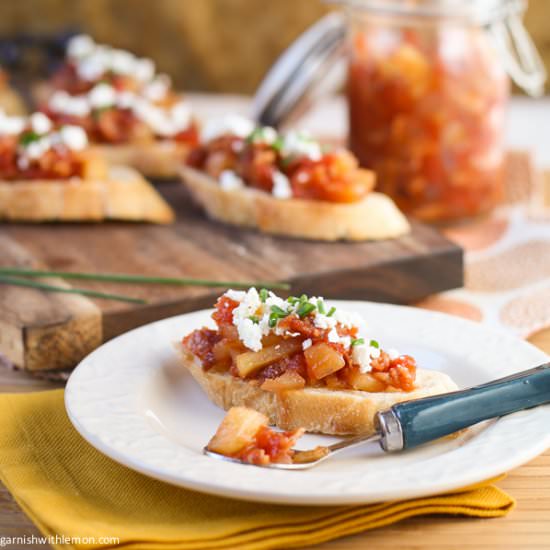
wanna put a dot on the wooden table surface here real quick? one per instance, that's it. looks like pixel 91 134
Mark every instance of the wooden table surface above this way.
pixel 526 528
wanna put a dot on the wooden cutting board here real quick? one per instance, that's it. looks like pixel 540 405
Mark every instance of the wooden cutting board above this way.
pixel 42 331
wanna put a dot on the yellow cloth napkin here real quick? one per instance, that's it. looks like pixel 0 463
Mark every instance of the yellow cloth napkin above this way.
pixel 69 489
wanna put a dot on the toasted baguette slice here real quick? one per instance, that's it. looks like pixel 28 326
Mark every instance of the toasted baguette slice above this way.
pixel 315 409
pixel 373 218
pixel 123 195
pixel 159 159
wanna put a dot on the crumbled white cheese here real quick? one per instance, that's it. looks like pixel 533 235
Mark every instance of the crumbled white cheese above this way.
pixel 62 102
pixel 93 60
pixel 281 186
pixel 122 62
pixel 101 96
pixel 11 125
pixel 91 68
pixel 361 357
pixel 80 45
pixel 374 352
pixel 301 144
pixel 393 353
pixel 230 124
pixel 163 121
pixel 324 321
pixel 144 69
pixel 40 123
pixel 157 89
pixel 252 319
pixel 237 295
pixel 37 148
pixel 181 115
pixel 74 137
pixel 125 100
pixel 229 180
pixel 250 333
pixel 264 134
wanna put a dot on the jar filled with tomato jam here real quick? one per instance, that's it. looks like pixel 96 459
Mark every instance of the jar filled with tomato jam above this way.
pixel 427 88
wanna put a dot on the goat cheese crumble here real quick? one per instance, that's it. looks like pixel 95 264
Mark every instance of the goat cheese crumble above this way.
pixel 93 60
pixel 259 314
pixel 163 121
pixel 281 186
pixel 229 124
pixel 230 180
pixel 301 144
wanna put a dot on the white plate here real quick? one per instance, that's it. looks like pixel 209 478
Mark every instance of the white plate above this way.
pixel 132 401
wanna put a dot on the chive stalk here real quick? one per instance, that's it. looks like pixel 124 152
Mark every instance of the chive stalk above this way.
pixel 140 279
pixel 16 281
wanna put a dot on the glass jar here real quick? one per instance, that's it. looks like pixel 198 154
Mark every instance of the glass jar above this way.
pixel 427 92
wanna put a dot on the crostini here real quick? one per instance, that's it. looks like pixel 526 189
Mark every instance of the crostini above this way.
pixel 288 185
pixel 301 363
pixel 48 173
pixel 132 115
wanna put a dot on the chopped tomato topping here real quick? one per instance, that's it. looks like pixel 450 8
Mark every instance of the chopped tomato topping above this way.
pixel 56 163
pixel 224 311
pixel 336 177
pixel 271 447
pixel 313 359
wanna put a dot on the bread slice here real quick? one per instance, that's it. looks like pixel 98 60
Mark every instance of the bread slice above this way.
pixel 315 409
pixel 123 195
pixel 158 159
pixel 374 218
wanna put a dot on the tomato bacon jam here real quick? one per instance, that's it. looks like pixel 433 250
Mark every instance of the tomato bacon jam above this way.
pixel 33 148
pixel 427 111
pixel 245 435
pixel 117 97
pixel 300 342
pixel 237 154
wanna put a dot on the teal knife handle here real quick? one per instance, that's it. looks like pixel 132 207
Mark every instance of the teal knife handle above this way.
pixel 427 419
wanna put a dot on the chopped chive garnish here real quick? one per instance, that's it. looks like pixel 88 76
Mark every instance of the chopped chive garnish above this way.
pixel 28 137
pixel 256 133
pixel 357 341
pixel 263 294
pixel 304 309
pixel 273 318
pixel 374 344
pixel 278 311
pixel 292 300
pixel 278 144
pixel 331 312
pixel 303 298
pixel 321 306
pixel 254 319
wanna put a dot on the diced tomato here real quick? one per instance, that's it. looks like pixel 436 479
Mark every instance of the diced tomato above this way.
pixel 335 178
pixel 224 310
